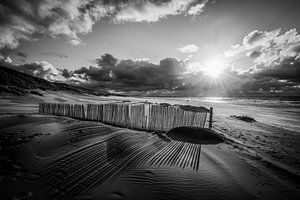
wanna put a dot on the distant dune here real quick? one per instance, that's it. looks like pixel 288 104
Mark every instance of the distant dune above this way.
pixel 17 83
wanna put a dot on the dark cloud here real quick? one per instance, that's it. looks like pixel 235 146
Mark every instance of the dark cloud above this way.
pixel 282 78
pixel 95 73
pixel 171 67
pixel 170 77
pixel 137 75
pixel 267 85
pixel 102 72
pixel 288 69
pixel 66 73
pixel 165 75
pixel 107 60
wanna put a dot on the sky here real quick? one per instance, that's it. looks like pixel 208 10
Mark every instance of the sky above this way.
pixel 151 47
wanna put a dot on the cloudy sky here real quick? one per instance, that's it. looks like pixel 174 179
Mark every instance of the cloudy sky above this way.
pixel 166 47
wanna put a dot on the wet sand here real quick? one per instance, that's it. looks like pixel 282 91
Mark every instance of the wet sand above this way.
pixel 49 157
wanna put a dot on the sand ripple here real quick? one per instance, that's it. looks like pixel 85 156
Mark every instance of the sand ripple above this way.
pixel 112 156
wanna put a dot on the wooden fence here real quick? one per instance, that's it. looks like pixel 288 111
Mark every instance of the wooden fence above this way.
pixel 148 117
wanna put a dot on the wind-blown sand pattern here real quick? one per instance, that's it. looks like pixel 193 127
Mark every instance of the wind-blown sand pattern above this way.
pixel 112 156
pixel 178 154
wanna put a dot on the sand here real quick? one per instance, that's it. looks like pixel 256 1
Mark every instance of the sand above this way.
pixel 195 135
pixel 50 157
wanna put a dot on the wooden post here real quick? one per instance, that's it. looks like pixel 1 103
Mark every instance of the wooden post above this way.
pixel 210 117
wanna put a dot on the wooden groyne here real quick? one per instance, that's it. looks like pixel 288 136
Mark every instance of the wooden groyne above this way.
pixel 140 116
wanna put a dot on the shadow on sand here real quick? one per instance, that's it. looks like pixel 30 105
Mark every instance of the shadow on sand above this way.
pixel 195 135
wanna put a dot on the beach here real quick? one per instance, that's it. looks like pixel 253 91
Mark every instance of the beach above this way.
pixel 149 99
pixel 54 157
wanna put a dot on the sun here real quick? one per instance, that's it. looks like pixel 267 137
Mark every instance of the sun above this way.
pixel 213 68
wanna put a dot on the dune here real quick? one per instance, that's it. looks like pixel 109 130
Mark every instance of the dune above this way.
pixel 17 83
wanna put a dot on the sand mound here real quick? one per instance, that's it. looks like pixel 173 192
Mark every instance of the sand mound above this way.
pixel 195 135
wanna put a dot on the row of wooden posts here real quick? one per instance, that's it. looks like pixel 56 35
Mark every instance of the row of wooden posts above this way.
pixel 148 117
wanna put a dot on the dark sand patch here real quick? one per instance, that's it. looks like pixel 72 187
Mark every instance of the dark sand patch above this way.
pixel 195 135
pixel 243 118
